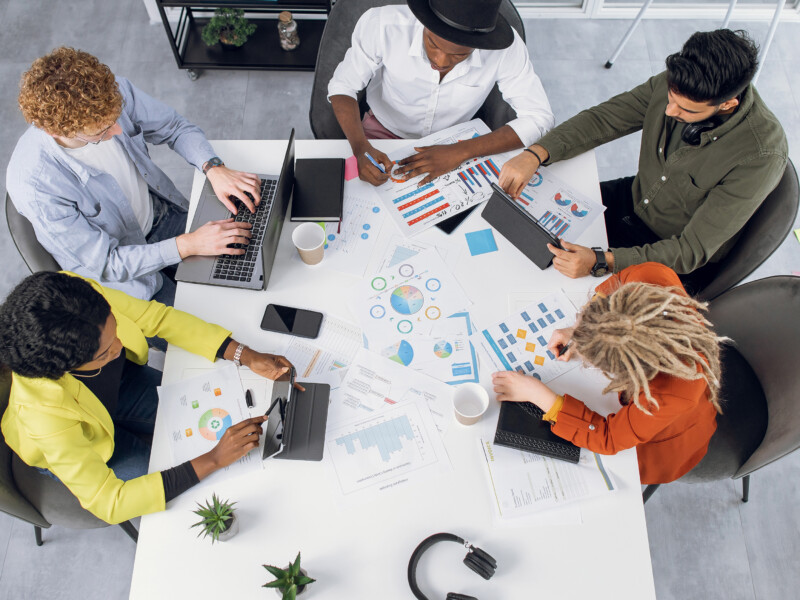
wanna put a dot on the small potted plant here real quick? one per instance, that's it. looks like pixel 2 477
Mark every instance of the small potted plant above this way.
pixel 228 27
pixel 217 520
pixel 289 581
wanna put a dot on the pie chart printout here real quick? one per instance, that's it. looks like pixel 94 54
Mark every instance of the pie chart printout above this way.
pixel 407 300
pixel 213 424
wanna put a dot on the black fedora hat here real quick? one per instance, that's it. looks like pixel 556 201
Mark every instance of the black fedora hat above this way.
pixel 471 23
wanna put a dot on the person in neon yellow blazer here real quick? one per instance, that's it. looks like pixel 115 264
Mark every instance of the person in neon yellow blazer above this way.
pixel 82 398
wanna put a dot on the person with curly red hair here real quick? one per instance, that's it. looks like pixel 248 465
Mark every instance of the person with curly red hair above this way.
pixel 83 176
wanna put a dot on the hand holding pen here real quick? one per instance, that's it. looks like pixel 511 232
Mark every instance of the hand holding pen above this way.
pixel 373 165
pixel 560 344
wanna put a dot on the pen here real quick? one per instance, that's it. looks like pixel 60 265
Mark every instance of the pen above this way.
pixel 564 348
pixel 248 399
pixel 375 162
pixel 271 406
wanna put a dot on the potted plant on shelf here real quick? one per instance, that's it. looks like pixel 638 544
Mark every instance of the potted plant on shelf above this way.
pixel 217 520
pixel 228 27
pixel 289 581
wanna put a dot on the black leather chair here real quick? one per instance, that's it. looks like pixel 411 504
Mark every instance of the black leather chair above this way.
pixel 761 236
pixel 38 499
pixel 335 42
pixel 760 392
pixel 32 252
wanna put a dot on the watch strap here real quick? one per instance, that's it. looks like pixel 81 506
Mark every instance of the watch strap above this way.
pixel 237 356
pixel 214 161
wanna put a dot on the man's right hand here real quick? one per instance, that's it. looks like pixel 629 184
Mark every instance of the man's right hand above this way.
pixel 369 172
pixel 517 172
pixel 213 238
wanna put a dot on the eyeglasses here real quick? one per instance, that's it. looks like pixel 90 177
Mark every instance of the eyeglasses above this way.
pixel 100 135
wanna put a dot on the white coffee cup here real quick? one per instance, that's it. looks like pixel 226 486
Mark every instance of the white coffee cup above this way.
pixel 470 403
pixel 309 239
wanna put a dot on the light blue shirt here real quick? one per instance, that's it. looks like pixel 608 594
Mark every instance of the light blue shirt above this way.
pixel 82 216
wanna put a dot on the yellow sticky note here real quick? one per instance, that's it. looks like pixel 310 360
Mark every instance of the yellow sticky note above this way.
pixel 539 360
pixel 521 333
pixel 530 347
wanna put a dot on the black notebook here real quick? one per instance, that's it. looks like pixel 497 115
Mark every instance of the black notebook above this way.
pixel 520 426
pixel 318 189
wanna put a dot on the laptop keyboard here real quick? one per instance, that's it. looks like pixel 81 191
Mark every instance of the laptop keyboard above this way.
pixel 240 267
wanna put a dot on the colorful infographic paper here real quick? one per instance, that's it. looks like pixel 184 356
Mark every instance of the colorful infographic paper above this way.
pixel 332 351
pixel 414 208
pixel 519 342
pixel 349 245
pixel 559 208
pixel 407 299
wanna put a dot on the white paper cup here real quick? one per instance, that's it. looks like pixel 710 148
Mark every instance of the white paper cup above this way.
pixel 309 239
pixel 470 402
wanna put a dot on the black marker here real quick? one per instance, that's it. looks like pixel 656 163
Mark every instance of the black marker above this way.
pixel 248 399
pixel 564 348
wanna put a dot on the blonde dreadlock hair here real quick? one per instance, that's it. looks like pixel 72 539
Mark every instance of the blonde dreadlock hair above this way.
pixel 641 330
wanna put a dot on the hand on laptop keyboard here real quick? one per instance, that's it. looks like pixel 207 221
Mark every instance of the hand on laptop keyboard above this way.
pixel 228 183
pixel 216 238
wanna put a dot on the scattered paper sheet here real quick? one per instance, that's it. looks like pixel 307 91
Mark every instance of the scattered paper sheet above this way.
pixel 332 351
pixel 519 342
pixel 199 410
pixel 408 298
pixel 414 208
pixel 560 209
pixel 349 246
pixel 481 242
pixel 387 449
pixel 400 249
pixel 523 483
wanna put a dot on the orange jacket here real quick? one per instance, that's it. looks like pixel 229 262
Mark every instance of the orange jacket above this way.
pixel 670 441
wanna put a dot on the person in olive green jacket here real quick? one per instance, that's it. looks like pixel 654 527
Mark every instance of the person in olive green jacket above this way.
pixel 83 401
pixel 711 152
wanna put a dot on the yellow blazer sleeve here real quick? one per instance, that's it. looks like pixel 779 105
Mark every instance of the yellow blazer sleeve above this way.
pixel 71 458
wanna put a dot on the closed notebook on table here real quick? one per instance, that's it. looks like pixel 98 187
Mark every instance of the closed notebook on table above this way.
pixel 318 189
pixel 520 426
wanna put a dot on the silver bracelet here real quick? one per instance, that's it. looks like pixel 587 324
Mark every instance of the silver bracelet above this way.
pixel 238 355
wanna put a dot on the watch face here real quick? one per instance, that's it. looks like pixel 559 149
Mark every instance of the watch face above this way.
pixel 599 271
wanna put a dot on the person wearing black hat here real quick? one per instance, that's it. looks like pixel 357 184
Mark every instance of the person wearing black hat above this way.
pixel 428 66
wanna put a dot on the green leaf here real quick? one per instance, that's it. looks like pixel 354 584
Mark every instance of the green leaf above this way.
pixel 290 593
pixel 274 584
pixel 275 571
pixel 295 568
pixel 303 580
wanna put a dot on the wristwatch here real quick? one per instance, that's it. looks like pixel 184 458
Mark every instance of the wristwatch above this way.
pixel 600 267
pixel 237 356
pixel 215 161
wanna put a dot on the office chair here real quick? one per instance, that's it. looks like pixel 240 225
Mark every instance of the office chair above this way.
pixel 32 252
pixel 761 236
pixel 760 422
pixel 39 499
pixel 335 42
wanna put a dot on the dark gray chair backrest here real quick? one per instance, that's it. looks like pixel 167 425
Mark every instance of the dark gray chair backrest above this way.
pixel 32 252
pixel 761 236
pixel 336 41
pixel 12 501
pixel 763 319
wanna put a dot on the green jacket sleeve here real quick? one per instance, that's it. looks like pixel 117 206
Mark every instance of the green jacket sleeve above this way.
pixel 615 118
pixel 722 215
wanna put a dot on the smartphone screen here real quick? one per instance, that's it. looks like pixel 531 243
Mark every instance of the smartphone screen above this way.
pixel 294 321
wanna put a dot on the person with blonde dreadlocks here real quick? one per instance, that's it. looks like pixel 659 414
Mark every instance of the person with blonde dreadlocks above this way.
pixel 649 338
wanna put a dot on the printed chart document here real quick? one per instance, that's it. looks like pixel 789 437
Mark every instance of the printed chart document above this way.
pixel 374 383
pixel 519 342
pixel 199 410
pixel 523 483
pixel 394 447
pixel 559 208
pixel 332 351
pixel 415 208
pixel 400 249
pixel 408 298
pixel 349 246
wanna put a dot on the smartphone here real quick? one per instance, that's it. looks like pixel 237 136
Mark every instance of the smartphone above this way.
pixel 294 321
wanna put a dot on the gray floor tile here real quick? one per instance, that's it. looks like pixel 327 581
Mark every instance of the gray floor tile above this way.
pixel 276 102
pixel 6 523
pixel 696 542
pixel 770 522
pixel 72 563
pixel 563 39
pixel 665 37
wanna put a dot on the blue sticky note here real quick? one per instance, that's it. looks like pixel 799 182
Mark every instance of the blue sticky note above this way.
pixel 481 242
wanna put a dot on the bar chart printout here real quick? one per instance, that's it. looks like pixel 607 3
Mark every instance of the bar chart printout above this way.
pixel 396 447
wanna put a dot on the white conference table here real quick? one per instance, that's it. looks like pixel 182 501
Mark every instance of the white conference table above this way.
pixel 361 551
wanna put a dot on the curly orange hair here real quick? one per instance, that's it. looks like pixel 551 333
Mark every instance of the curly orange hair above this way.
pixel 69 91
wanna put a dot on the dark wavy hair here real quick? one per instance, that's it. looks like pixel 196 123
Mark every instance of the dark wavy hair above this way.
pixel 49 324
pixel 713 66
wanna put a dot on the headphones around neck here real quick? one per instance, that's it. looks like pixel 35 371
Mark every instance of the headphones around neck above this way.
pixel 476 559
pixel 691 132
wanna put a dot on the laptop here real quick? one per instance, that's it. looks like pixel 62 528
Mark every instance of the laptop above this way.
pixel 251 270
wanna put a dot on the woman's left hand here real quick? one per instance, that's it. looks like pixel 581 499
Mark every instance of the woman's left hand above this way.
pixel 511 386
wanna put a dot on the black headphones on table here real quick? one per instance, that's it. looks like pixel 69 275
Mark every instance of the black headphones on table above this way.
pixel 476 559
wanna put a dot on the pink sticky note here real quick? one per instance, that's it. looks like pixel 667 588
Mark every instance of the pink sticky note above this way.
pixel 350 168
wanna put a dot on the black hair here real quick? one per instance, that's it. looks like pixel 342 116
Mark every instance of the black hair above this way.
pixel 49 324
pixel 713 66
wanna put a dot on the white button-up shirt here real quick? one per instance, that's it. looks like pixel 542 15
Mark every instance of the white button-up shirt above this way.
pixel 387 57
